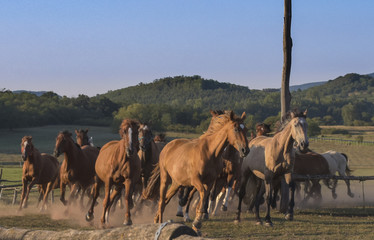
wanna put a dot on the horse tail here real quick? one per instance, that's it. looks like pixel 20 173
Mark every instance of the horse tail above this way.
pixel 153 185
pixel 348 171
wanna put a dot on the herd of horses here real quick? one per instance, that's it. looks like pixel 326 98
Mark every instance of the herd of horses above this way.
pixel 222 162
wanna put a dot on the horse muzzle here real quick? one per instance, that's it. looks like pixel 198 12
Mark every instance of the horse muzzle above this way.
pixel 243 151
pixel 56 153
pixel 303 147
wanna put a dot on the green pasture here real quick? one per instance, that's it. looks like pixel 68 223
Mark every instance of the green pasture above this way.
pixel 336 219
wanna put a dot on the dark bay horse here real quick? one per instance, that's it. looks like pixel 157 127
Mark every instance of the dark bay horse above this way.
pixel 78 166
pixel 272 158
pixel 82 137
pixel 38 168
pixel 197 162
pixel 118 165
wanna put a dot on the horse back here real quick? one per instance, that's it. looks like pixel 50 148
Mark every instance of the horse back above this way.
pixel 310 163
pixel 49 169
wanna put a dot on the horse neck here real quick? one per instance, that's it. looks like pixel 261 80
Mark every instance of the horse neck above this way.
pixel 284 140
pixel 73 154
pixel 217 142
pixel 35 157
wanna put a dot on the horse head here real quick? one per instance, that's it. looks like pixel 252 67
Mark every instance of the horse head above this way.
pixel 82 137
pixel 129 133
pixel 262 129
pixel 237 133
pixel 299 131
pixel 26 147
pixel 61 143
pixel 145 137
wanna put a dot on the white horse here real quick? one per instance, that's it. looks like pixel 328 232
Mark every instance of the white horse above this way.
pixel 338 162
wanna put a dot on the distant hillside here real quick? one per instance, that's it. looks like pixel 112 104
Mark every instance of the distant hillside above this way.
pixel 306 86
pixel 37 93
pixel 371 74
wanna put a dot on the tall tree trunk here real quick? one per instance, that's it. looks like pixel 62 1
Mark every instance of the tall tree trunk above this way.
pixel 287 49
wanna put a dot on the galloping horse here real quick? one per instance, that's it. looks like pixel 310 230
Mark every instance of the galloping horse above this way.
pixel 271 158
pixel 197 162
pixel 37 169
pixel 82 137
pixel 338 162
pixel 149 152
pixel 78 166
pixel 118 164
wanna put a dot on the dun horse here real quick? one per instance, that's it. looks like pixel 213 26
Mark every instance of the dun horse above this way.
pixel 271 158
pixel 38 168
pixel 78 166
pixel 197 162
pixel 118 165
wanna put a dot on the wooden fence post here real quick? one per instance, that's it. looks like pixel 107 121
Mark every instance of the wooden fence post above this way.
pixel 14 197
pixel 1 173
pixel 363 193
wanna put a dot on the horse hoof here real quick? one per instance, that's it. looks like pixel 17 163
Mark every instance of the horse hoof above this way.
pixel 268 224
pixel 334 195
pixel 223 208
pixel 187 219
pixel 197 224
pixel 197 231
pixel 89 217
pixel 127 222
pixel 259 223
pixel 289 217
pixel 351 195
pixel 179 214
pixel 206 216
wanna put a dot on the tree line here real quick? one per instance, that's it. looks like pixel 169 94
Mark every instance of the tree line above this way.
pixel 182 103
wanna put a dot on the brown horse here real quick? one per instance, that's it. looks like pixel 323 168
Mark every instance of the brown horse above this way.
pixel 38 168
pixel 149 152
pixel 271 158
pixel 78 166
pixel 118 165
pixel 82 137
pixel 197 162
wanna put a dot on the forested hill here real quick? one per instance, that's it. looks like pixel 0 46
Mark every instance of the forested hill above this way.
pixel 182 104
pixel 179 91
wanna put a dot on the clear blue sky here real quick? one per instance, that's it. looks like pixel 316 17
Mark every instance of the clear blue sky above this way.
pixel 89 47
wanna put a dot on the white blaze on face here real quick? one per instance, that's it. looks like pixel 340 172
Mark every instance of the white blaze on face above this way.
pixel 130 136
pixel 24 146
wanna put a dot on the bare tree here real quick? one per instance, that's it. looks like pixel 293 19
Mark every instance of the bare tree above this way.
pixel 287 49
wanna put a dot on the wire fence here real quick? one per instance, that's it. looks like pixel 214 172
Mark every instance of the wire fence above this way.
pixel 342 141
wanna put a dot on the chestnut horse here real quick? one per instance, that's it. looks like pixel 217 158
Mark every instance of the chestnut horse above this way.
pixel 197 162
pixel 38 168
pixel 78 167
pixel 118 165
pixel 338 162
pixel 271 158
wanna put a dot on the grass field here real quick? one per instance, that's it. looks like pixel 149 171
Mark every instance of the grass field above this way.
pixel 334 219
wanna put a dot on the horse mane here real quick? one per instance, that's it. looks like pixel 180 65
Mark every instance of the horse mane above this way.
pixel 160 137
pixel 287 118
pixel 125 123
pixel 219 119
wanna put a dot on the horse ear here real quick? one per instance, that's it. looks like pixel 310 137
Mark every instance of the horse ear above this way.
pixel 243 116
pixel 213 113
pixel 232 115
pixel 86 131
pixel 305 112
pixel 292 115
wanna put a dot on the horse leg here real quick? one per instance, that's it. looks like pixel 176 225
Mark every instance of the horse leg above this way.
pixel 243 185
pixel 218 198
pixel 289 215
pixel 128 201
pixel 24 187
pixel 203 192
pixel 191 191
pixel 333 188
pixel 96 191
pixel 347 183
pixel 269 195
pixel 164 183
pixel 106 202
pixel 29 187
pixel 45 199
pixel 62 193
